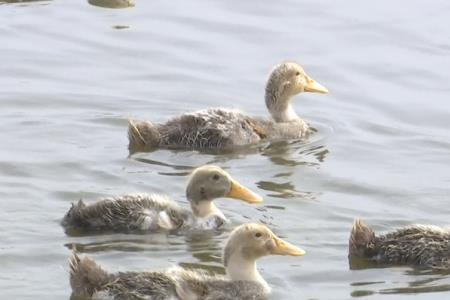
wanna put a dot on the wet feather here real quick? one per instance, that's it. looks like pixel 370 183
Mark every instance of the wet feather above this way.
pixel 416 245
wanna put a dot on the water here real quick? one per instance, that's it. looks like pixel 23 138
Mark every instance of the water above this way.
pixel 72 72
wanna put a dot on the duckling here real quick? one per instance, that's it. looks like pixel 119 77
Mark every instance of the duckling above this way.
pixel 152 212
pixel 416 245
pixel 227 128
pixel 245 245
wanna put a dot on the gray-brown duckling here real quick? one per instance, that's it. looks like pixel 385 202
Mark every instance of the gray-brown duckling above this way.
pixel 153 212
pixel 246 244
pixel 220 128
pixel 415 245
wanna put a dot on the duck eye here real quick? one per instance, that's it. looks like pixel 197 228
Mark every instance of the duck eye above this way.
pixel 258 234
pixel 297 74
pixel 216 177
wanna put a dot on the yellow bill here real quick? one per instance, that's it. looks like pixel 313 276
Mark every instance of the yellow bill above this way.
pixel 314 87
pixel 240 192
pixel 284 248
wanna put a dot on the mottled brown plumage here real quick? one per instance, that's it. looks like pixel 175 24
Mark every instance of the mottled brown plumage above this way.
pixel 416 245
pixel 246 244
pixel 226 128
pixel 152 212
pixel 127 213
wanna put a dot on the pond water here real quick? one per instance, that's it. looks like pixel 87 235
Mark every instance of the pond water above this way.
pixel 71 72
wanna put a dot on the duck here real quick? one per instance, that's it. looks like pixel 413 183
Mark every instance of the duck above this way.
pixel 245 245
pixel 155 212
pixel 426 246
pixel 222 128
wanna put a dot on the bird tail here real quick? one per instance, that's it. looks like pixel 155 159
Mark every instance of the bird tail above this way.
pixel 86 276
pixel 362 240
pixel 142 134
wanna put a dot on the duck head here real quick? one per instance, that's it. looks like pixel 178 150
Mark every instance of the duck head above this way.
pixel 210 182
pixel 286 80
pixel 246 244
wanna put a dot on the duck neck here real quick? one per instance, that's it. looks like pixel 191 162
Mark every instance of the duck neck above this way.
pixel 279 106
pixel 204 208
pixel 240 268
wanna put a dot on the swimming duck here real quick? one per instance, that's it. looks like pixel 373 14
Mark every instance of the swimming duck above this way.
pixel 245 245
pixel 152 212
pixel 228 128
pixel 417 245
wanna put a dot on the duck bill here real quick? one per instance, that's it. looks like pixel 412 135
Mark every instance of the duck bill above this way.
pixel 284 248
pixel 240 192
pixel 314 87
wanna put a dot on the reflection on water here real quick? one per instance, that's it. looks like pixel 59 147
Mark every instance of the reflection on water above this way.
pixel 121 27
pixel 280 153
pixel 22 1
pixel 120 243
pixel 206 247
pixel 432 284
pixel 112 3
pixel 428 280
pixel 359 263
pixel 164 164
pixel 285 190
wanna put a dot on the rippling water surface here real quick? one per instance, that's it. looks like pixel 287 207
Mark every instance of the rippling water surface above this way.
pixel 72 71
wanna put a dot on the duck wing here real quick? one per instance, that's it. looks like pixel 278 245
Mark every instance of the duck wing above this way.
pixel 423 245
pixel 211 128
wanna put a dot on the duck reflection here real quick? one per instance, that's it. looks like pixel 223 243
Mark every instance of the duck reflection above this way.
pixel 186 170
pixel 206 248
pixel 296 153
pixel 21 1
pixel 112 3
pixel 437 282
pixel 122 242
pixel 291 154
pixel 285 190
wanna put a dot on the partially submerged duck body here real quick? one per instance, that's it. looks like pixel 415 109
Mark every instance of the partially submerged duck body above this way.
pixel 212 128
pixel 415 245
pixel 245 245
pixel 153 212
pixel 226 128
pixel 132 212
pixel 175 283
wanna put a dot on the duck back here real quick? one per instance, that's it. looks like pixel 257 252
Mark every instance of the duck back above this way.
pixel 212 128
pixel 417 245
pixel 132 212
pixel 90 281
